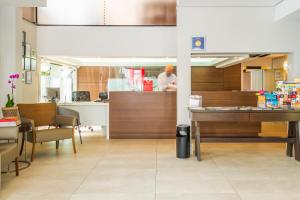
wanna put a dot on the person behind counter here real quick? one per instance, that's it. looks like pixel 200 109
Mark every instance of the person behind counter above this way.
pixel 167 79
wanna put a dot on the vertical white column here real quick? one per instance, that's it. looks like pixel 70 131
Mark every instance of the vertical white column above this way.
pixel 8 45
pixel 183 73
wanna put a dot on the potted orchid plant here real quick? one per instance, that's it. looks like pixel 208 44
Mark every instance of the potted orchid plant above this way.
pixel 11 81
pixel 10 110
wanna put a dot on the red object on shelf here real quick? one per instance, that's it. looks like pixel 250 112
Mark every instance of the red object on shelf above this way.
pixel 8 120
pixel 148 85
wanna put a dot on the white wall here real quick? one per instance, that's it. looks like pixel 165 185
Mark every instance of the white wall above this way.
pixel 89 41
pixel 11 26
pixel 30 92
pixel 231 30
pixel 8 48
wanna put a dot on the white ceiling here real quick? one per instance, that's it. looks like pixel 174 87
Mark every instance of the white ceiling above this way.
pixel 289 9
pixel 79 61
pixel 229 2
pixel 294 16
pixel 218 60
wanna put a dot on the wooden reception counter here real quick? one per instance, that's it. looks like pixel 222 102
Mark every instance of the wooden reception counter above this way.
pixel 142 115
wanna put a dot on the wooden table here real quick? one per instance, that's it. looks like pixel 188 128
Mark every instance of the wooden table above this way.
pixel 292 116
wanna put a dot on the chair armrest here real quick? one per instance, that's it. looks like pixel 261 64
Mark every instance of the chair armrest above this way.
pixel 64 120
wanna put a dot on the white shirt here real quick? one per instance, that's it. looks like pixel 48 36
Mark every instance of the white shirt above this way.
pixel 164 81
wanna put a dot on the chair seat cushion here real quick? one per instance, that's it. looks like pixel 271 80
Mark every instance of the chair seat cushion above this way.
pixel 48 135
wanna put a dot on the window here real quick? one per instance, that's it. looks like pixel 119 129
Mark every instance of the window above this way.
pixel 57 76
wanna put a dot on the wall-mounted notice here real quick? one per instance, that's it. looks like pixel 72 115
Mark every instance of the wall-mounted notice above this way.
pixel 198 43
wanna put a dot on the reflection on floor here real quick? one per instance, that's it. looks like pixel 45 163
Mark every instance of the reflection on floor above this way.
pixel 148 169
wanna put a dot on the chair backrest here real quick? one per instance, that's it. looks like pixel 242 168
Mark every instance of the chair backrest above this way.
pixel 69 112
pixel 43 114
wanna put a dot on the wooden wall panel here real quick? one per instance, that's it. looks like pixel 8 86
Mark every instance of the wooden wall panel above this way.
pixel 207 79
pixel 88 74
pixel 207 74
pixel 227 98
pixel 216 79
pixel 142 115
pixel 228 129
pixel 92 79
pixel 233 77
pixel 207 86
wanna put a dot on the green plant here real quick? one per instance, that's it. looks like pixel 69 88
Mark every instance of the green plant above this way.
pixel 45 73
pixel 10 101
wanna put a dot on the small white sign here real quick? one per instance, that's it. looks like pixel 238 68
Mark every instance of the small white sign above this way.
pixel 195 101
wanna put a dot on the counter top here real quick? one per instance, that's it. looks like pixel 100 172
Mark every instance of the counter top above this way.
pixel 143 92
pixel 83 103
pixel 239 110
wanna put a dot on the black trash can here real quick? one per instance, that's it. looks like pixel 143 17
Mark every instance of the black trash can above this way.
pixel 183 141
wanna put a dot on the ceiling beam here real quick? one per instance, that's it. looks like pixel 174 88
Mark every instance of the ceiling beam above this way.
pixel 287 9
pixel 24 3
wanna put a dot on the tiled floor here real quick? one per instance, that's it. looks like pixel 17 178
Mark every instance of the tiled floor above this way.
pixel 148 169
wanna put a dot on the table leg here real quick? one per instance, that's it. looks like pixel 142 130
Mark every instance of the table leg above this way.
pixel 289 147
pixel 196 153
pixel 0 177
pixel 79 132
pixel 297 143
pixel 22 144
pixel 197 142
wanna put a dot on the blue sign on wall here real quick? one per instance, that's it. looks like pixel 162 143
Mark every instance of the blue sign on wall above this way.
pixel 198 43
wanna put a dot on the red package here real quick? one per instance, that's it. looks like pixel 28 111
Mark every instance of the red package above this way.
pixel 148 85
